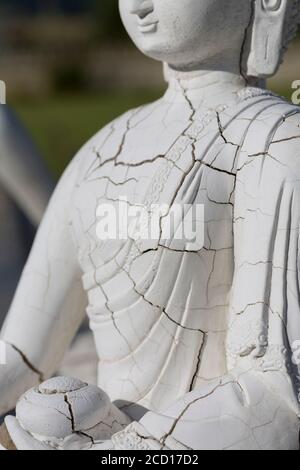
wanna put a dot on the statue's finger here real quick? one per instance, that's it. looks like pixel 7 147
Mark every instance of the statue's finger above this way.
pixel 21 438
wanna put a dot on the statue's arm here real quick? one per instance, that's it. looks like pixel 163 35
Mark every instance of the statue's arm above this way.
pixel 22 171
pixel 236 412
pixel 49 303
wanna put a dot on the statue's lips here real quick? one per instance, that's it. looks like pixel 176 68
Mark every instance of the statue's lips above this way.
pixel 147 27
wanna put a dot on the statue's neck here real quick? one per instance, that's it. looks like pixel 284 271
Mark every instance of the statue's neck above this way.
pixel 205 88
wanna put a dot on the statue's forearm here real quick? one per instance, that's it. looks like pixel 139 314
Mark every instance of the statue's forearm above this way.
pixel 236 412
pixel 49 303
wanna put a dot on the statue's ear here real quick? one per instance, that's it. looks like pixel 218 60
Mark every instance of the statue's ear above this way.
pixel 265 43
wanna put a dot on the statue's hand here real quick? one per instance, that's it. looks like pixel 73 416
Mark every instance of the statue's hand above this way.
pixel 136 437
pixel 65 414
pixel 21 438
pixel 25 441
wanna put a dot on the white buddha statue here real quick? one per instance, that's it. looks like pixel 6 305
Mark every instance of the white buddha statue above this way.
pixel 197 347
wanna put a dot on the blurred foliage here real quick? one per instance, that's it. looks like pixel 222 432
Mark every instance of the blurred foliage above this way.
pixel 107 22
pixel 69 78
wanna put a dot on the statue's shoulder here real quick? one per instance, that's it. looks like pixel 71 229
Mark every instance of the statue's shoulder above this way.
pixel 258 102
pixel 110 138
pixel 118 126
pixel 288 123
pixel 270 116
pixel 278 121
pixel 284 145
pixel 270 133
pixel 257 116
pixel 123 123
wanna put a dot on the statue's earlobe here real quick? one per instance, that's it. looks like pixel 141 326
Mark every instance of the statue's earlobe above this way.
pixel 265 44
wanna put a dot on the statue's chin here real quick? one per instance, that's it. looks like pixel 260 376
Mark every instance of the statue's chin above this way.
pixel 153 51
pixel 182 57
pixel 155 47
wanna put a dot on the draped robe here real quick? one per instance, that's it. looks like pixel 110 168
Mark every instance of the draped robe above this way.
pixel 167 320
pixel 202 344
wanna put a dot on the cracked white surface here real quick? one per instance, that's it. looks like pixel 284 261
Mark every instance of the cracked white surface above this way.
pixel 62 410
pixel 199 342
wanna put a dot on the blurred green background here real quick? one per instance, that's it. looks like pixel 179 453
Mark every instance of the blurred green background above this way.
pixel 70 68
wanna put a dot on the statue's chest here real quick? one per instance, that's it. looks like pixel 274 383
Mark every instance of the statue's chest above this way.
pixel 167 278
pixel 123 216
pixel 150 183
